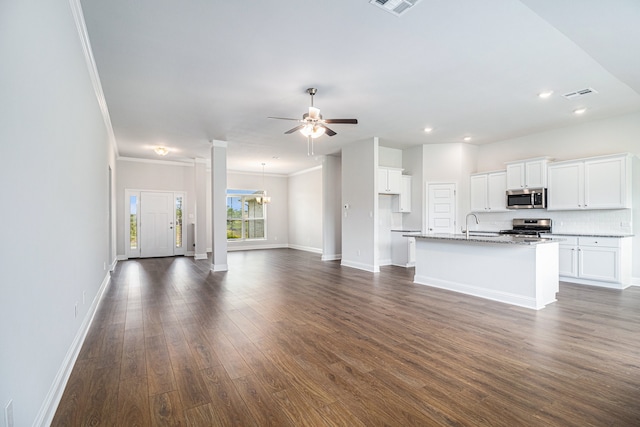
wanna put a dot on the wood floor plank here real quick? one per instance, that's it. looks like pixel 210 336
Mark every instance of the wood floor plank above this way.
pixel 228 406
pixel 73 404
pixel 229 357
pixel 261 403
pixel 133 403
pixel 191 388
pixel 166 410
pixel 159 372
pixel 284 338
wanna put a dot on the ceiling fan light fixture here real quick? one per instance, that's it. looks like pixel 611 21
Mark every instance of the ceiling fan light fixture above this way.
pixel 314 131
pixel 314 113
pixel 161 151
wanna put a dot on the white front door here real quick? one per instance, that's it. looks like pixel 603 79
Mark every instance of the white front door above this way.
pixel 441 208
pixel 156 224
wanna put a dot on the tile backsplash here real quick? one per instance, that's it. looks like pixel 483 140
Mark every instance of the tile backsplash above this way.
pixel 616 221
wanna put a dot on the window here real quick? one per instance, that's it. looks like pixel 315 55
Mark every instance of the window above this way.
pixel 133 222
pixel 245 216
pixel 178 239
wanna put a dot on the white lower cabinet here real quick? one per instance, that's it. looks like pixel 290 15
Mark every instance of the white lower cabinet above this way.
pixel 403 250
pixel 599 261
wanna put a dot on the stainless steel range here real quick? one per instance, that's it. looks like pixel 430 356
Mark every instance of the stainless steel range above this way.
pixel 529 227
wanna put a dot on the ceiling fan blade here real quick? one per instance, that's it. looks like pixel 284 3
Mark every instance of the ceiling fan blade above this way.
pixel 294 129
pixel 327 131
pixel 342 121
pixel 283 118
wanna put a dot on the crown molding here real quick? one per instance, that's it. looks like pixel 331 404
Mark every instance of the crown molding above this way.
pixel 302 172
pixel 158 162
pixel 78 18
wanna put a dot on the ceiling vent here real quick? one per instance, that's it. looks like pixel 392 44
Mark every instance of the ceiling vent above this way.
pixel 395 7
pixel 579 93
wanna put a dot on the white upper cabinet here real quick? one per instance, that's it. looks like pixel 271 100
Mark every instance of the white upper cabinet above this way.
pixel 389 180
pixel 527 174
pixel 566 186
pixel 488 192
pixel 479 192
pixel 594 183
pixel 607 183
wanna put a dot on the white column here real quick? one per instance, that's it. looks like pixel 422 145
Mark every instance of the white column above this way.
pixel 200 175
pixel 219 206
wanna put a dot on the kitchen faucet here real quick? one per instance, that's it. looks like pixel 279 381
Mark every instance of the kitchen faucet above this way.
pixel 466 222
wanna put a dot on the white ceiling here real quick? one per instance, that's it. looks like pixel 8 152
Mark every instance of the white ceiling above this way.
pixel 182 73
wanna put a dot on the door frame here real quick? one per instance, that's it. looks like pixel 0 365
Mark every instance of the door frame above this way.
pixel 135 253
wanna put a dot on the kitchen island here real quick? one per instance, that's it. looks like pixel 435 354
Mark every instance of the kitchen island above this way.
pixel 522 271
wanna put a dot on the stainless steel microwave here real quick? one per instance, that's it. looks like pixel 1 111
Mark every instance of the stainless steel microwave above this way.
pixel 527 198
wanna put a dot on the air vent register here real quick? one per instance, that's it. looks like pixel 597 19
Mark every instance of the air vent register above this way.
pixel 395 7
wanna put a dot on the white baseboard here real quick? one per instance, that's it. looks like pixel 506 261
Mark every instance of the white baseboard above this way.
pixel 200 256
pixel 332 257
pixel 635 281
pixel 494 295
pixel 610 285
pixel 305 248
pixel 219 267
pixel 254 247
pixel 52 400
pixel 360 266
pixel 122 258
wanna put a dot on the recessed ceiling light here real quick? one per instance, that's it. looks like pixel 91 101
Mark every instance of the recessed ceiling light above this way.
pixel 467 138
pixel 545 94
pixel 161 151
pixel 428 130
pixel 579 111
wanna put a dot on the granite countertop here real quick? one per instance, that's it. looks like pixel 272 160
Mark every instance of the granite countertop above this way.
pixel 398 230
pixel 614 235
pixel 504 239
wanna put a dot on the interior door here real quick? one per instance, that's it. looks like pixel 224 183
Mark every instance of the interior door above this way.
pixel 156 224
pixel 441 208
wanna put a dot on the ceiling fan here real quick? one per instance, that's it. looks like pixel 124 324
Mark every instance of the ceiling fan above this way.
pixel 313 125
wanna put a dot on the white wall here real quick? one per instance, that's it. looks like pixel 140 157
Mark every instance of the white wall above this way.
pixel 360 193
pixel 277 211
pixel 138 174
pixel 332 208
pixel 306 210
pixel 412 159
pixel 450 163
pixel 615 135
pixel 55 160
pixel 389 157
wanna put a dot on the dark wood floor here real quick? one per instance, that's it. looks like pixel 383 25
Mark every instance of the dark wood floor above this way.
pixel 284 339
